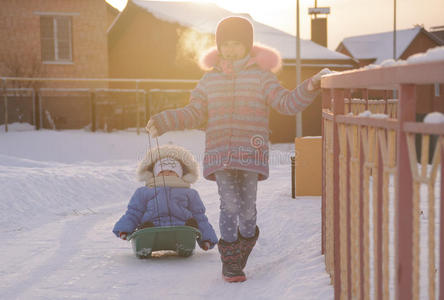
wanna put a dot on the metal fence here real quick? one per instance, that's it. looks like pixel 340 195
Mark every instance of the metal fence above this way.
pixel 96 107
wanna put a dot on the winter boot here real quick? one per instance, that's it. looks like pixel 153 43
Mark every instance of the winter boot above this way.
pixel 231 257
pixel 246 245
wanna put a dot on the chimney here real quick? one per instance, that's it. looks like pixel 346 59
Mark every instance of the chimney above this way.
pixel 319 24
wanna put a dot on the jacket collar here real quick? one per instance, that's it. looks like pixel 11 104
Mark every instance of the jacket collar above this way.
pixel 265 58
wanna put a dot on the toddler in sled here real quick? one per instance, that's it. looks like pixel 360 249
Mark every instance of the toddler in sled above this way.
pixel 167 198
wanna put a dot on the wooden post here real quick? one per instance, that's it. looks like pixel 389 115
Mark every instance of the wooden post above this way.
pixel 137 107
pixel 361 214
pixel 404 196
pixel 349 271
pixel 326 99
pixel 378 226
pixel 365 96
pixel 441 232
pixel 338 109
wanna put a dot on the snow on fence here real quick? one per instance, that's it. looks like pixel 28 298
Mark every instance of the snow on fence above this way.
pixel 380 203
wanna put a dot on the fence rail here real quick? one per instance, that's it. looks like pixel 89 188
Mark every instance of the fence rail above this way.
pixel 382 201
pixel 96 101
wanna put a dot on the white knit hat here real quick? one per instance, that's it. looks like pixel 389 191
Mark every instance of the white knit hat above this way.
pixel 168 163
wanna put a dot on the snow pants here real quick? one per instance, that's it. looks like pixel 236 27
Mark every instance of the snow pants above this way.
pixel 237 190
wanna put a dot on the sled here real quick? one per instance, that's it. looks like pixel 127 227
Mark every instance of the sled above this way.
pixel 181 239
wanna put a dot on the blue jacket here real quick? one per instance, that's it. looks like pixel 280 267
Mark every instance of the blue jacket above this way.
pixel 155 204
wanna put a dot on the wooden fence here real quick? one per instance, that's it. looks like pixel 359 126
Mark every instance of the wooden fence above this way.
pixel 382 208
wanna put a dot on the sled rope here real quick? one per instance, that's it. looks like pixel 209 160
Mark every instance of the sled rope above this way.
pixel 163 177
pixel 154 177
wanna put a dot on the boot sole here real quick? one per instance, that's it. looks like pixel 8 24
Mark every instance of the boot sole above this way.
pixel 235 278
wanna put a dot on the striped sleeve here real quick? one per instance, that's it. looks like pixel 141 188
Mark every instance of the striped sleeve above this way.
pixel 191 116
pixel 285 101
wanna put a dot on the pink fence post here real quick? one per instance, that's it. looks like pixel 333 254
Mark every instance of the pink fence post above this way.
pixel 361 215
pixel 326 99
pixel 365 96
pixel 404 196
pixel 349 272
pixel 338 109
pixel 438 100
pixel 441 233
pixel 386 97
pixel 378 226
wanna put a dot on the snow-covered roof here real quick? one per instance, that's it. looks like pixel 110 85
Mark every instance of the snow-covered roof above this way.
pixel 379 46
pixel 203 17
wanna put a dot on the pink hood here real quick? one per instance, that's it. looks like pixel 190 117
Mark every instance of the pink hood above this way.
pixel 268 59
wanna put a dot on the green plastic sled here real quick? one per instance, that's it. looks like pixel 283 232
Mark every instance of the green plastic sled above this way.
pixel 181 239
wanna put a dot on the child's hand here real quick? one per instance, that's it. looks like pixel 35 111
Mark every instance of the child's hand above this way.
pixel 205 245
pixel 315 81
pixel 123 235
pixel 152 129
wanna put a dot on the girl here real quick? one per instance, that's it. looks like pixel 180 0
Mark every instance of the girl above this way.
pixel 232 100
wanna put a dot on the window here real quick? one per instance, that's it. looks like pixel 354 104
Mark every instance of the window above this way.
pixel 56 38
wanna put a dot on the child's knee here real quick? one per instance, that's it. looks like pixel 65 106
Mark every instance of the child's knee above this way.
pixel 230 207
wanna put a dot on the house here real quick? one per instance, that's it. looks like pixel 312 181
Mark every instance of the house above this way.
pixel 164 39
pixel 52 39
pixel 378 47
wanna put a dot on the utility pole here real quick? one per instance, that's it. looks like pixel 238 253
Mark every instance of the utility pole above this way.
pixel 298 70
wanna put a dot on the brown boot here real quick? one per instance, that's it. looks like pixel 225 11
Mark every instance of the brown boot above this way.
pixel 231 257
pixel 246 245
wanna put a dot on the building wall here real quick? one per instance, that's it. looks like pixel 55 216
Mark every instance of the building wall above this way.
pixel 20 49
pixel 142 46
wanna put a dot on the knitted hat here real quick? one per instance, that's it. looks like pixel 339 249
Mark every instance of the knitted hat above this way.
pixel 235 29
pixel 168 163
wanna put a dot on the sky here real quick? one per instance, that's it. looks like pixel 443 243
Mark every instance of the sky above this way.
pixel 347 17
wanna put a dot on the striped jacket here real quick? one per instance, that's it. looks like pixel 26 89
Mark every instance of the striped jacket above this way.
pixel 232 102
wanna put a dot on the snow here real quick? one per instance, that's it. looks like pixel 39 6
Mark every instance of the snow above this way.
pixel 431 55
pixel 380 45
pixel 203 17
pixel 62 192
pixel 434 118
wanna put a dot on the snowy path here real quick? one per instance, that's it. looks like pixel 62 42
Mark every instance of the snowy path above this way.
pixel 64 249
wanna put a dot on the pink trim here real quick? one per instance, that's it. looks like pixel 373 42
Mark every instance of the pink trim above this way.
pixel 266 58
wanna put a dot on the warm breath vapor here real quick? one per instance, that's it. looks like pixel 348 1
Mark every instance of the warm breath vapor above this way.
pixel 191 45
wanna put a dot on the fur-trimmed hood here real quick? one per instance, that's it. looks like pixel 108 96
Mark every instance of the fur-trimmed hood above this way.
pixel 189 164
pixel 268 59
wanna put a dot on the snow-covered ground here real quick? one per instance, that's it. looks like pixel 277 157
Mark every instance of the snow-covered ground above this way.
pixel 62 191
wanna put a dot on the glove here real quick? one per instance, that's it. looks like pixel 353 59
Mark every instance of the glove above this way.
pixel 205 245
pixel 152 129
pixel 315 81
pixel 123 235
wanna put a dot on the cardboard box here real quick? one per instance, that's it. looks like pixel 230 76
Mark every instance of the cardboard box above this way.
pixel 308 166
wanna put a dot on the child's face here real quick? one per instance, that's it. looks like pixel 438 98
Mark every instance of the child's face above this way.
pixel 232 50
pixel 167 173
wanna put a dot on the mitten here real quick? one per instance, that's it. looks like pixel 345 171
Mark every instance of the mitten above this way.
pixel 192 222
pixel 315 81
pixel 123 235
pixel 205 245
pixel 152 129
